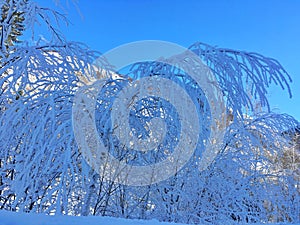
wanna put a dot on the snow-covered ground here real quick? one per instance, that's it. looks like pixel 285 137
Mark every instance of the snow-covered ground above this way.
pixel 12 218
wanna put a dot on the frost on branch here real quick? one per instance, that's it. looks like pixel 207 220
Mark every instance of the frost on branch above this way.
pixel 254 178
pixel 243 75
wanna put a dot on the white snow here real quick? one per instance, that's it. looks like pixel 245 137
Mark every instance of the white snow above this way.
pixel 16 218
pixel 13 218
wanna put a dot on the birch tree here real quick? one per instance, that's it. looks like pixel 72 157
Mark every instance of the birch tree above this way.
pixel 42 168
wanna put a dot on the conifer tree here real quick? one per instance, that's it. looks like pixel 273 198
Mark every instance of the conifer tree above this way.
pixel 11 24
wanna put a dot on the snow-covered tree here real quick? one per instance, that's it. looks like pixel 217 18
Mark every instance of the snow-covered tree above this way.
pixel 42 168
pixel 11 22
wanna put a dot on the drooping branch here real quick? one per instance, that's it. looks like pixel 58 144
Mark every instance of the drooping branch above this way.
pixel 243 76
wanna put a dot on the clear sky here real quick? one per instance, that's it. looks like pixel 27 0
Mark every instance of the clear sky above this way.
pixel 269 27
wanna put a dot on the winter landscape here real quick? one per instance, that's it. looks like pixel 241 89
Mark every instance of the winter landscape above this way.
pixel 148 132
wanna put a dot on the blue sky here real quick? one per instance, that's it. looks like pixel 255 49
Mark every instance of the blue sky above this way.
pixel 269 27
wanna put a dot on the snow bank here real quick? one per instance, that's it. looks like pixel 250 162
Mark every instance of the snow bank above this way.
pixel 13 218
